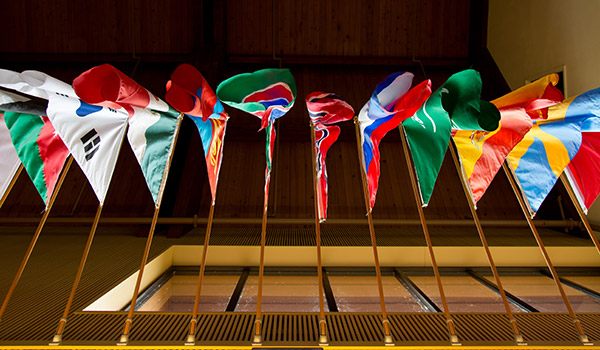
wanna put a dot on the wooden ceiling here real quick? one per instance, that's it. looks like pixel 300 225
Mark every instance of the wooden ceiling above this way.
pixel 342 46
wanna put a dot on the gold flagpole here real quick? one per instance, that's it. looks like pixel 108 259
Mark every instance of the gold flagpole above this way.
pixel 386 323
pixel 63 321
pixel 317 192
pixel 257 338
pixel 191 338
pixel 586 223
pixel 452 332
pixel 509 174
pixel 517 335
pixel 124 339
pixel 36 235
pixel 11 185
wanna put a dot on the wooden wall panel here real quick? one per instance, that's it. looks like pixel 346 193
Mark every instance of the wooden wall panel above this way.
pixel 98 27
pixel 382 28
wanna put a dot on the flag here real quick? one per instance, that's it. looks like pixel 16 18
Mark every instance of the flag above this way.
pixel 34 83
pixel 9 161
pixel 540 158
pixel 153 124
pixel 267 94
pixel 151 135
pixel 584 169
pixel 107 86
pixel 392 102
pixel 324 110
pixel 189 93
pixel 482 153
pixel 94 136
pixel 39 148
pixel 455 105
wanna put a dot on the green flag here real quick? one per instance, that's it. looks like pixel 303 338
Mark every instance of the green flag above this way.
pixel 455 105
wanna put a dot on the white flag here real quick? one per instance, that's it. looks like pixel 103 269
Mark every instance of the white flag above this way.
pixel 9 161
pixel 93 134
pixel 34 83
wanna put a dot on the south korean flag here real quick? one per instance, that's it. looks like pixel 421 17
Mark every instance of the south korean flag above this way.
pixel 92 133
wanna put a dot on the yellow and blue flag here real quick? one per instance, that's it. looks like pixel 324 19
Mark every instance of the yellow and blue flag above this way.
pixel 541 157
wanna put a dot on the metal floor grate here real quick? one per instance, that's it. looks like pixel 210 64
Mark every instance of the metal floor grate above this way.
pixel 343 328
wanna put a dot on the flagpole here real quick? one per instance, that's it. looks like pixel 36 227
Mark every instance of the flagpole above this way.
pixel 509 174
pixel 317 192
pixel 11 185
pixel 124 339
pixel 36 235
pixel 191 338
pixel 517 335
pixel 386 323
pixel 63 321
pixel 586 223
pixel 453 337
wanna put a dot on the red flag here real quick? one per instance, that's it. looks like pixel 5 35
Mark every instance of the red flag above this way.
pixel 325 109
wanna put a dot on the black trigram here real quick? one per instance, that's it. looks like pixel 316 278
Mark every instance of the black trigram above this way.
pixel 91 142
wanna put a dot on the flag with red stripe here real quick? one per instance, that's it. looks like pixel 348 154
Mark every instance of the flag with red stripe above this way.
pixel 325 109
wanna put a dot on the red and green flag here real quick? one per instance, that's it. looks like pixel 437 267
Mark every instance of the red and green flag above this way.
pixel 454 105
pixel 267 94
pixel 39 148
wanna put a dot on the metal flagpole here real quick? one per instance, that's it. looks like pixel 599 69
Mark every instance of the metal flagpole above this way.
pixel 452 332
pixel 257 338
pixel 36 235
pixel 588 228
pixel 11 185
pixel 63 321
pixel 317 193
pixel 518 337
pixel 191 338
pixel 124 339
pixel 386 323
pixel 509 174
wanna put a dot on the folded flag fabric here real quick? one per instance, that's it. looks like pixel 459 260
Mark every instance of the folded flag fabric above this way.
pixel 9 161
pixel 454 105
pixel 482 153
pixel 34 83
pixel 39 148
pixel 189 93
pixel 540 158
pixel 584 169
pixel 267 94
pixel 153 124
pixel 325 109
pixel 391 103
pixel 107 86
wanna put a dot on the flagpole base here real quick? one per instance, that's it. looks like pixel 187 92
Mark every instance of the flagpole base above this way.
pixel 519 340
pixel 323 341
pixel 56 340
pixel 123 340
pixel 585 340
pixel 454 340
pixel 257 340
pixel 190 340
pixel 388 341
